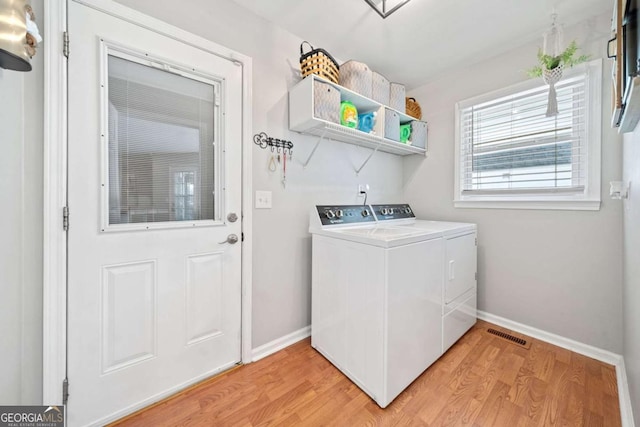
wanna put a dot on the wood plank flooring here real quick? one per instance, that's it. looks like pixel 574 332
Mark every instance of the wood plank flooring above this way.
pixel 483 380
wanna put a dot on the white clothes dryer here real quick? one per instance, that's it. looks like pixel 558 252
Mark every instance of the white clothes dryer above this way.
pixel 378 293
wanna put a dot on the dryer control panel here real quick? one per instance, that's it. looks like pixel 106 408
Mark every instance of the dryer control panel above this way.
pixel 387 212
pixel 345 214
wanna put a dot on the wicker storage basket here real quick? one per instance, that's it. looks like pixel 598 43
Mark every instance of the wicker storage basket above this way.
pixel 326 102
pixel 418 134
pixel 380 88
pixel 413 108
pixel 356 76
pixel 318 61
pixel 397 94
pixel 391 125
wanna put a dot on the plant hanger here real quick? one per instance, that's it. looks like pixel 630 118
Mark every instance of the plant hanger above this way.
pixel 552 40
pixel 552 60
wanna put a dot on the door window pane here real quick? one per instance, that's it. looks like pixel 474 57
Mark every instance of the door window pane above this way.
pixel 184 195
pixel 161 145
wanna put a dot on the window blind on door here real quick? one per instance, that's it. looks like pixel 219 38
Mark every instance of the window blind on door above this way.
pixel 509 146
pixel 161 136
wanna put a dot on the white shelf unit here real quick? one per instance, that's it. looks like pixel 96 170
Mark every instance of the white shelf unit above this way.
pixel 301 119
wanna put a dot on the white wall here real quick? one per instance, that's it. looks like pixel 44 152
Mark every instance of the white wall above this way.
pixel 560 271
pixel 281 252
pixel 631 291
pixel 21 135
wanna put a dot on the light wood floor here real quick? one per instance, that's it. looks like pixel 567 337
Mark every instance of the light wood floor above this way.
pixel 481 381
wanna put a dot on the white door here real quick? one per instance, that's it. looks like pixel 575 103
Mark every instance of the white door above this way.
pixel 154 178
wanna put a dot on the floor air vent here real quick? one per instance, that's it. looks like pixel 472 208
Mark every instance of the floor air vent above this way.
pixel 515 340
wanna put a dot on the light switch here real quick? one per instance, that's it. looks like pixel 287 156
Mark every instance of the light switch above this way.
pixel 263 199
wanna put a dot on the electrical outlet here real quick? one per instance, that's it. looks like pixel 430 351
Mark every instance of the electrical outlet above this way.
pixel 263 199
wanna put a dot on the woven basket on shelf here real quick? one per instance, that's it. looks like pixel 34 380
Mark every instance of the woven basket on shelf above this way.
pixel 320 62
pixel 413 108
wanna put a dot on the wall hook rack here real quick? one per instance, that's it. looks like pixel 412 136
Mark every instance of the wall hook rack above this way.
pixel 277 145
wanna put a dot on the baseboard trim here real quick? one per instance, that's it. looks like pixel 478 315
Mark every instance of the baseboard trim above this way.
pixel 578 347
pixel 605 356
pixel 280 343
pixel 626 410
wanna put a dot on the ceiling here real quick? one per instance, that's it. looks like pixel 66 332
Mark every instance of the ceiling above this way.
pixel 424 37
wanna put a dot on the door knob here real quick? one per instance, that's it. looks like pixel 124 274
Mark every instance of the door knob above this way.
pixel 232 217
pixel 231 238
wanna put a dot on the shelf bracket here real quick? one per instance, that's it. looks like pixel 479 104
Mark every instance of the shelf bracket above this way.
pixel 304 165
pixel 367 160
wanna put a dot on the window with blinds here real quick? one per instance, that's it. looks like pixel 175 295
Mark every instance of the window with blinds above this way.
pixel 508 149
pixel 161 151
pixel 509 144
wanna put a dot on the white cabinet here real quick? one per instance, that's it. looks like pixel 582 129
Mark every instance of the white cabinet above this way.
pixel 460 288
pixel 302 119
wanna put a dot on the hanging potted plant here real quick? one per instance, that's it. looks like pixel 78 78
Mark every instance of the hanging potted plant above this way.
pixel 551 61
pixel 550 68
pixel 550 65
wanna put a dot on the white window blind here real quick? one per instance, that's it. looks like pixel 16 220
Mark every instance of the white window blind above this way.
pixel 161 133
pixel 508 145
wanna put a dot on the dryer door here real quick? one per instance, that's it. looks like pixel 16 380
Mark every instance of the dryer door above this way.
pixel 461 266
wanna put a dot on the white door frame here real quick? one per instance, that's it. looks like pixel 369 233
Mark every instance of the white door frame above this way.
pixel 55 180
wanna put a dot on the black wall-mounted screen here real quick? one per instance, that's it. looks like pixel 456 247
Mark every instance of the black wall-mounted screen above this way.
pixel 630 46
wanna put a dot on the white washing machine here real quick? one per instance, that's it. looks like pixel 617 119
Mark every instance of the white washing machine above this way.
pixel 379 295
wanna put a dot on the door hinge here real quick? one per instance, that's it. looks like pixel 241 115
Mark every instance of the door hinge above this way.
pixel 65 218
pixel 242 237
pixel 65 391
pixel 65 44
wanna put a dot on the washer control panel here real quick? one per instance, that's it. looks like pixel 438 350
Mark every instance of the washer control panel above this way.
pixel 386 212
pixel 345 214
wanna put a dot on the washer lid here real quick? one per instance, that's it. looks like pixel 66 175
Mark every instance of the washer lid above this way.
pixel 382 233
pixel 444 227
pixel 382 236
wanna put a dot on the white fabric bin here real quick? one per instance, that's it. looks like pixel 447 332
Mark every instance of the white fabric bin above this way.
pixel 380 88
pixel 357 77
pixel 418 136
pixel 397 94
pixel 326 102
pixel 391 125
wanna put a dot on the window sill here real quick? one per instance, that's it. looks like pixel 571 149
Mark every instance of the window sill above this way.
pixel 568 205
